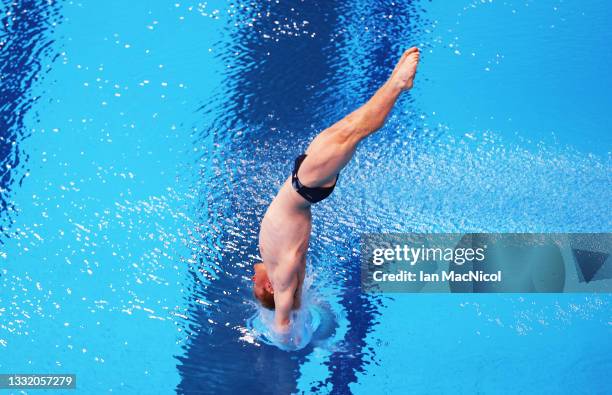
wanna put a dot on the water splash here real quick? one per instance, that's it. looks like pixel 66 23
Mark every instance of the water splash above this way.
pixel 313 322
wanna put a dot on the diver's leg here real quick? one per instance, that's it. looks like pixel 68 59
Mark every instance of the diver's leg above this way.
pixel 333 148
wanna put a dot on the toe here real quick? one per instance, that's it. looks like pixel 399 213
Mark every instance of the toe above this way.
pixel 408 52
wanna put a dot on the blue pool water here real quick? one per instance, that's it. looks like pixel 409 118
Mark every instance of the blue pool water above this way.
pixel 142 141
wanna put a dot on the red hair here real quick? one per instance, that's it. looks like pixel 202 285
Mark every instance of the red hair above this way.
pixel 266 299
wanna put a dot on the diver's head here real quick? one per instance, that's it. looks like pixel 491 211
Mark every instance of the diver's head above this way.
pixel 262 287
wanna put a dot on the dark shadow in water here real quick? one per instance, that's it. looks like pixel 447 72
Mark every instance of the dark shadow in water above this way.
pixel 25 40
pixel 265 115
pixel 261 92
pixel 351 357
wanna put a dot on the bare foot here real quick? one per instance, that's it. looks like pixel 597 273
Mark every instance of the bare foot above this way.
pixel 403 74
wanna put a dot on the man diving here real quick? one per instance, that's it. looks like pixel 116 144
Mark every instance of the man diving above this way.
pixel 285 228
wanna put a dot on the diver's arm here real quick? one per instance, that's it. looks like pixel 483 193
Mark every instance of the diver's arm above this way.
pixel 297 300
pixel 284 295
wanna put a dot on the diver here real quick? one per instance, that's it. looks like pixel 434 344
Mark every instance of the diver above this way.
pixel 285 229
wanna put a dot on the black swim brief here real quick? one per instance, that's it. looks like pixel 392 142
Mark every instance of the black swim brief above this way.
pixel 315 194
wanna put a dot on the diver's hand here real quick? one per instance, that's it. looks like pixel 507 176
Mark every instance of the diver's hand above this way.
pixel 282 334
pixel 287 338
pixel 282 328
pixel 297 340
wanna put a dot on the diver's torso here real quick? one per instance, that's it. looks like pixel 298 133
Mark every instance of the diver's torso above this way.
pixel 285 230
